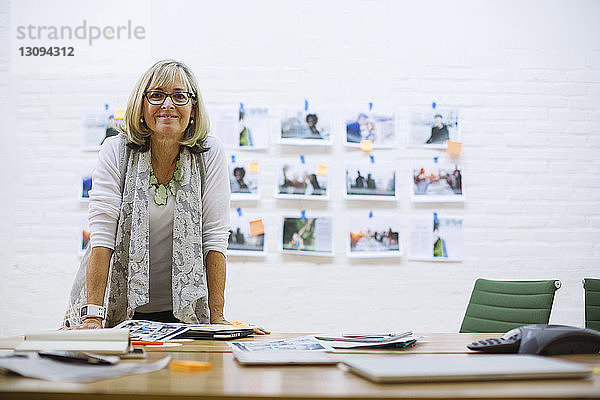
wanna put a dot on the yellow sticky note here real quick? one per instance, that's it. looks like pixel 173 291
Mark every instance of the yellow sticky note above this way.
pixel 366 145
pixel 238 324
pixel 189 366
pixel 454 147
pixel 257 227
pixel 253 167
pixel 596 370
pixel 322 170
pixel 119 114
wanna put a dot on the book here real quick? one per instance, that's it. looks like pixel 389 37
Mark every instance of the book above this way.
pixel 101 341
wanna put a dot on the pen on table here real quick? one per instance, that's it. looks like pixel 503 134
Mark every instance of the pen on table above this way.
pixel 154 344
pixel 145 343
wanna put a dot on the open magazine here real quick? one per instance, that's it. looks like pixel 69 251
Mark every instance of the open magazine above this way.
pixel 159 331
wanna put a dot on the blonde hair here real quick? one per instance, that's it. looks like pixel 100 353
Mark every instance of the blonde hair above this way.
pixel 161 74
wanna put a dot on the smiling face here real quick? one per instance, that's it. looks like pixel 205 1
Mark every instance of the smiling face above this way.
pixel 167 118
pixel 238 173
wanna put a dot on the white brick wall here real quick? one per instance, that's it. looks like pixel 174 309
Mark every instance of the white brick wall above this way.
pixel 526 76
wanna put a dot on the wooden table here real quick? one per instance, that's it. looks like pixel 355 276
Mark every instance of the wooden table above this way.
pixel 229 380
pixel 431 343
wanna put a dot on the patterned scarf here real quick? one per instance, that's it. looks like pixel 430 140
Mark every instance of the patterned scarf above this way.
pixel 130 265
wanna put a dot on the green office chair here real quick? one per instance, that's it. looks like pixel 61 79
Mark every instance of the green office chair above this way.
pixel 499 306
pixel 592 303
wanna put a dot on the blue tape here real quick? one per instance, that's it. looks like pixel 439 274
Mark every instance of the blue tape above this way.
pixel 435 218
pixel 303 214
pixel 433 105
pixel 435 160
pixel 241 106
pixel 302 159
pixel 370 106
pixel 106 107
pixel 370 214
pixel 232 159
pixel 372 159
pixel 239 211
pixel 305 105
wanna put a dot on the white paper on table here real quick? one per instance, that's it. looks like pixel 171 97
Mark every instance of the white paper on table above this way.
pixel 33 366
pixel 300 343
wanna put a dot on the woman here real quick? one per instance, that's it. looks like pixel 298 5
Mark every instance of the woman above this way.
pixel 311 121
pixel 237 184
pixel 158 212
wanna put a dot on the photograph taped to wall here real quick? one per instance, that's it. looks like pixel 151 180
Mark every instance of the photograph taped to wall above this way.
pixel 244 179
pixel 247 235
pixel 370 181
pixel 379 127
pixel 241 127
pixel 433 127
pixel 374 235
pixel 97 126
pixel 87 170
pixel 436 181
pixel 302 180
pixel 435 238
pixel 306 128
pixel 307 235
pixel 252 130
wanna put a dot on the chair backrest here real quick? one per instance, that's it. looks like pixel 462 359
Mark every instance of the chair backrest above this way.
pixel 499 306
pixel 592 303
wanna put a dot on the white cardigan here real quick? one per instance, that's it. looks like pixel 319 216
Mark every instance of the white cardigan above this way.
pixel 105 203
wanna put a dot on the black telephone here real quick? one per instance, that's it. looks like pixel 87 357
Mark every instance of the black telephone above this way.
pixel 542 339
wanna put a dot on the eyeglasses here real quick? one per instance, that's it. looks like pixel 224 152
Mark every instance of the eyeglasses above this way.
pixel 157 97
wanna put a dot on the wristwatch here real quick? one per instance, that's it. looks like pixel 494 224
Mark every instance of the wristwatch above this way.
pixel 92 310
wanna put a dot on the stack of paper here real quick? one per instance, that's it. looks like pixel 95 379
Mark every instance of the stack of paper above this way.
pixel 329 343
pixel 369 341
pixel 312 349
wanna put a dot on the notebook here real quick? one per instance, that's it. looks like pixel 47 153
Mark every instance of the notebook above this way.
pixel 463 367
pixel 225 333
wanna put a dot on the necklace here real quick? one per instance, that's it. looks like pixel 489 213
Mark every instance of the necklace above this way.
pixel 162 191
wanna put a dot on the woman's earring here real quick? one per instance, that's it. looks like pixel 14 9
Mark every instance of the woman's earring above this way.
pixel 191 121
pixel 142 119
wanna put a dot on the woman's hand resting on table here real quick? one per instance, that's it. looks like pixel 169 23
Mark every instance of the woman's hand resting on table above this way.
pixel 260 331
pixel 221 320
pixel 88 323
